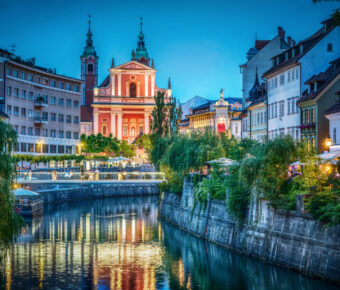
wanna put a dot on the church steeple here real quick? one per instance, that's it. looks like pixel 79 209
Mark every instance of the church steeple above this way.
pixel 89 74
pixel 89 48
pixel 141 55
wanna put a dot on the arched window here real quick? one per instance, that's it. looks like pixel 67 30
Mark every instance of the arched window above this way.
pixel 90 67
pixel 133 131
pixel 133 90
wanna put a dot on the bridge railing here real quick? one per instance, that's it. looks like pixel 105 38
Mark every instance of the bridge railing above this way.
pixel 88 176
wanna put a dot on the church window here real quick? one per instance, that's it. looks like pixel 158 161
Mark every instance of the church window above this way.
pixel 125 131
pixel 132 90
pixel 90 67
pixel 104 130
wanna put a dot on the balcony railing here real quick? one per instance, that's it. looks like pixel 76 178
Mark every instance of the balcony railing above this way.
pixel 40 120
pixel 40 103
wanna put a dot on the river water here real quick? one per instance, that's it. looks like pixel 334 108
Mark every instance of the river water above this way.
pixel 120 244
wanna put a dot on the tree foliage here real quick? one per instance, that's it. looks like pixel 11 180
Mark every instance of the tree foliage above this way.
pixel 111 146
pixel 9 221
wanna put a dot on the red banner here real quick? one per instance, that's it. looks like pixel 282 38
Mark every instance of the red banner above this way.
pixel 220 127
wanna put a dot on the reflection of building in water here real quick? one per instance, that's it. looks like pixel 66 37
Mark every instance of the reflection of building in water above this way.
pixel 110 243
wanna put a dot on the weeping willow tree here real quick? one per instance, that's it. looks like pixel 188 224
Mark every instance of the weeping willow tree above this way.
pixel 9 221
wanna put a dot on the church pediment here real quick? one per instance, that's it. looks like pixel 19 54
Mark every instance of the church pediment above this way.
pixel 133 65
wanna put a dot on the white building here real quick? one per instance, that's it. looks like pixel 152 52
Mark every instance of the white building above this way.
pixel 291 69
pixel 259 58
pixel 333 115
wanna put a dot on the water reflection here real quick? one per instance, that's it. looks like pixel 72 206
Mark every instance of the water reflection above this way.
pixel 119 244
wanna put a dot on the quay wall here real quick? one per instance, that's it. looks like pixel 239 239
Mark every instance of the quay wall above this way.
pixel 61 192
pixel 293 240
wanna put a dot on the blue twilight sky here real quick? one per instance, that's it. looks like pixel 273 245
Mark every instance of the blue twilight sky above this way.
pixel 199 44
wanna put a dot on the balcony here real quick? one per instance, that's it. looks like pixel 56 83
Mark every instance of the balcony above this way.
pixel 40 103
pixel 40 120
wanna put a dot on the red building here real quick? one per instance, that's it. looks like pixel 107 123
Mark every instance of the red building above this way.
pixel 123 103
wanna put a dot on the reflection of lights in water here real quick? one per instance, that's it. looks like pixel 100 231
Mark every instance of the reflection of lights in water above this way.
pixel 159 232
pixel 143 229
pixel 65 231
pixel 80 233
pixel 133 229
pixel 123 230
pixel 8 271
pixel 189 282
pixel 41 265
pixel 97 230
pixel 88 227
pixel 181 274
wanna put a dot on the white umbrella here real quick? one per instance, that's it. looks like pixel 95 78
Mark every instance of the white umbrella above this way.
pixel 222 161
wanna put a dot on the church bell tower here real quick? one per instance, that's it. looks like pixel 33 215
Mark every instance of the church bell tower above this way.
pixel 89 74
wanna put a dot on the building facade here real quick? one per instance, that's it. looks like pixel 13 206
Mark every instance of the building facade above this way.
pixel 259 60
pixel 322 91
pixel 286 80
pixel 257 111
pixel 43 107
pixel 220 116
pixel 123 103
pixel 333 115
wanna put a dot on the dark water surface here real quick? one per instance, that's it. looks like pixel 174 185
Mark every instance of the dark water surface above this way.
pixel 119 244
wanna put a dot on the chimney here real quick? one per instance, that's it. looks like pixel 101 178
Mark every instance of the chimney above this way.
pixel 281 32
pixel 293 42
pixel 289 41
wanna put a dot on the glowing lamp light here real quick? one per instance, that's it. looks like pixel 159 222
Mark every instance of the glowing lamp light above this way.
pixel 95 91
pixel 328 142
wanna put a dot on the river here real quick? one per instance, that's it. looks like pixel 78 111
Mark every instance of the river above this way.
pixel 120 244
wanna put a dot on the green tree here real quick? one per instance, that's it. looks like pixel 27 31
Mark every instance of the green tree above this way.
pixel 9 221
pixel 145 142
pixel 158 121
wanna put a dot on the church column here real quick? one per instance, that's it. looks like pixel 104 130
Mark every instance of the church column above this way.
pixel 127 93
pixel 138 88
pixel 113 82
pixel 120 126
pixel 113 124
pixel 146 85
pixel 146 123
pixel 153 85
pixel 95 121
pixel 119 85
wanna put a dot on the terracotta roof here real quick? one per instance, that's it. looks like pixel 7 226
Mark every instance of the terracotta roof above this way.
pixel 86 114
pixel 323 79
pixel 259 44
pixel 307 45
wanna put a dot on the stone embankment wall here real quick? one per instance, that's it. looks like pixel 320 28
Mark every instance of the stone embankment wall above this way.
pixel 292 240
pixel 91 190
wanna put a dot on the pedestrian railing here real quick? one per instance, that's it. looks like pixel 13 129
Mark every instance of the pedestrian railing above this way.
pixel 88 176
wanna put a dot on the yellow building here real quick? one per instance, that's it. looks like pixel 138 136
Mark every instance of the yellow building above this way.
pixel 221 116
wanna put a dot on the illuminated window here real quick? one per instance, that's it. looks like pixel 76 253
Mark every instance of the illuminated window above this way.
pixel 133 131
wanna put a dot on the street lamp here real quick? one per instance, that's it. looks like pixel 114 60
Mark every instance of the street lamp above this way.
pixel 328 142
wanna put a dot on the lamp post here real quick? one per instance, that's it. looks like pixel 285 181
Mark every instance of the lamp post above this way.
pixel 328 142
